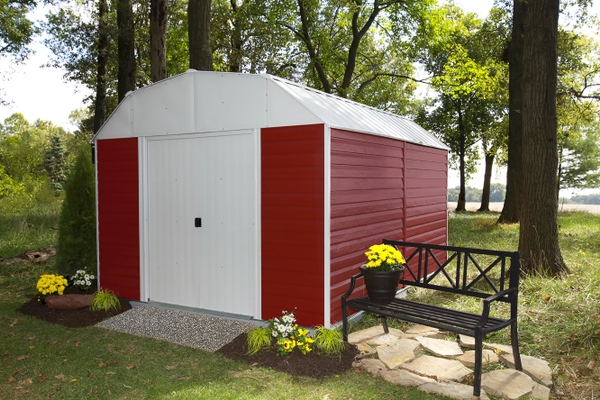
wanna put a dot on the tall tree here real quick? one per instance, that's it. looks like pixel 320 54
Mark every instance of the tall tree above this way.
pixel 101 79
pixel 199 35
pixel 159 16
pixel 126 48
pixel 511 210
pixel 538 238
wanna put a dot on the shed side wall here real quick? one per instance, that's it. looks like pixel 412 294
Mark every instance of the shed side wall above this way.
pixel 367 203
pixel 426 191
pixel 292 222
pixel 118 216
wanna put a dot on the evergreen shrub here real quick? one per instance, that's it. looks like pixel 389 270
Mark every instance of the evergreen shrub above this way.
pixel 77 224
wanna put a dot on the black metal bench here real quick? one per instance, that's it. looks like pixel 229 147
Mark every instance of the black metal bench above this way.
pixel 476 273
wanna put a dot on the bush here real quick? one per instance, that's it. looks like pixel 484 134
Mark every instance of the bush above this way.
pixel 77 225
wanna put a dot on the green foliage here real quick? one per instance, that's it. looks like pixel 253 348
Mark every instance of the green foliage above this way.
pixel 16 29
pixel 23 178
pixel 77 226
pixel 258 338
pixel 329 341
pixel 55 160
pixel 586 199
pixel 105 300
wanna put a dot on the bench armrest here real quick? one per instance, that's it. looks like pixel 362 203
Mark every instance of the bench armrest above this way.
pixel 352 285
pixel 488 300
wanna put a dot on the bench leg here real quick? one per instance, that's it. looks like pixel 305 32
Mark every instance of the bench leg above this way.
pixel 478 362
pixel 384 323
pixel 514 338
pixel 344 321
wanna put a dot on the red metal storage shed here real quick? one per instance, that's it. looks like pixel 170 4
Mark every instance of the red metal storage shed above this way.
pixel 249 194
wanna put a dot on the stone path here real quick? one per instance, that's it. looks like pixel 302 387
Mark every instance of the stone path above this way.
pixel 442 363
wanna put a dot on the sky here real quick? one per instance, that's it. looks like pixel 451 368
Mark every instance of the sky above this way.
pixel 41 92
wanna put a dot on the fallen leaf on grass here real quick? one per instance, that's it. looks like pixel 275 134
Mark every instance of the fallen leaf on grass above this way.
pixel 7 352
pixel 128 387
pixel 101 365
pixel 170 367
pixel 41 378
pixel 73 380
pixel 14 322
pixel 22 358
pixel 131 366
pixel 11 379
pixel 21 390
pixel 32 347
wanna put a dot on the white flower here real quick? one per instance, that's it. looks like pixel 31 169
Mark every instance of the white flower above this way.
pixel 92 277
pixel 274 333
pixel 88 283
pixel 281 328
pixel 86 276
pixel 289 329
pixel 284 335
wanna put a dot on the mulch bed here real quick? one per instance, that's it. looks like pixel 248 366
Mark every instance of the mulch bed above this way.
pixel 311 365
pixel 296 364
pixel 71 318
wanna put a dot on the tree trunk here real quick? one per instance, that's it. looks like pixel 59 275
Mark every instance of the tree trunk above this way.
pixel 538 239
pixel 159 16
pixel 461 205
pixel 100 104
pixel 199 35
pixel 235 55
pixel 126 49
pixel 487 183
pixel 512 201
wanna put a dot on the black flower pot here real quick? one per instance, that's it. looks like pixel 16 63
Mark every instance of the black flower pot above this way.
pixel 381 285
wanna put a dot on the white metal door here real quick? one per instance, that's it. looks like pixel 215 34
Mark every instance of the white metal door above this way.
pixel 209 178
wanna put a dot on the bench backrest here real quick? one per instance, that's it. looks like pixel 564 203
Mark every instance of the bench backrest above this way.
pixel 460 270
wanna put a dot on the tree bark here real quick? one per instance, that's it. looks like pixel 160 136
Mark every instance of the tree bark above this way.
pixel 199 35
pixel 100 104
pixel 512 202
pixel 126 49
pixel 538 239
pixel 462 196
pixel 487 183
pixel 159 16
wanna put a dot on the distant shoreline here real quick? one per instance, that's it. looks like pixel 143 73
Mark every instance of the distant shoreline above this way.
pixel 591 208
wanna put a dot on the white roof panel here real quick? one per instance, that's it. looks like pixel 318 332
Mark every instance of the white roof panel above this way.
pixel 207 101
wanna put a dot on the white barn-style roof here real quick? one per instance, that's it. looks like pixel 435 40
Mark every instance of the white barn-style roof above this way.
pixel 207 101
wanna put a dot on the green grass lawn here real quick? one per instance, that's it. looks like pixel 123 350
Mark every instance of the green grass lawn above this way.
pixel 559 321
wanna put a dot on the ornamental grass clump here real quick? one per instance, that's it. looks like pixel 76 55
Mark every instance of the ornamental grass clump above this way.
pixel 383 257
pixel 50 284
pixel 329 341
pixel 105 300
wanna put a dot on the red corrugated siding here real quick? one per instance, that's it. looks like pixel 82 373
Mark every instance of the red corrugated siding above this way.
pixel 292 219
pixel 118 216
pixel 367 192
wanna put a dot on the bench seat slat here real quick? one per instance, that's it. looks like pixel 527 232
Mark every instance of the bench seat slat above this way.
pixel 422 311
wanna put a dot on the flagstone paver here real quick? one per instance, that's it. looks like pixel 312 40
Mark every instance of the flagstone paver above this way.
pixel 502 347
pixel 395 351
pixel 509 384
pixel 439 347
pixel 540 392
pixel 371 365
pixel 406 378
pixel 538 370
pixel 454 390
pixel 369 333
pixel 425 331
pixel 466 341
pixel 439 368
pixel 487 357
pixel 364 350
pixel 402 351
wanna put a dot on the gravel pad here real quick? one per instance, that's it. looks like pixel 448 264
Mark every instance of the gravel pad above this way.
pixel 193 330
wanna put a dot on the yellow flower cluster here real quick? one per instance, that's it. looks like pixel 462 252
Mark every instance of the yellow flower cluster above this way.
pixel 50 284
pixel 289 335
pixel 384 257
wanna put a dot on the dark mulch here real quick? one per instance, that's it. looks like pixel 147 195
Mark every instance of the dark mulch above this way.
pixel 71 318
pixel 312 364
pixel 296 364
